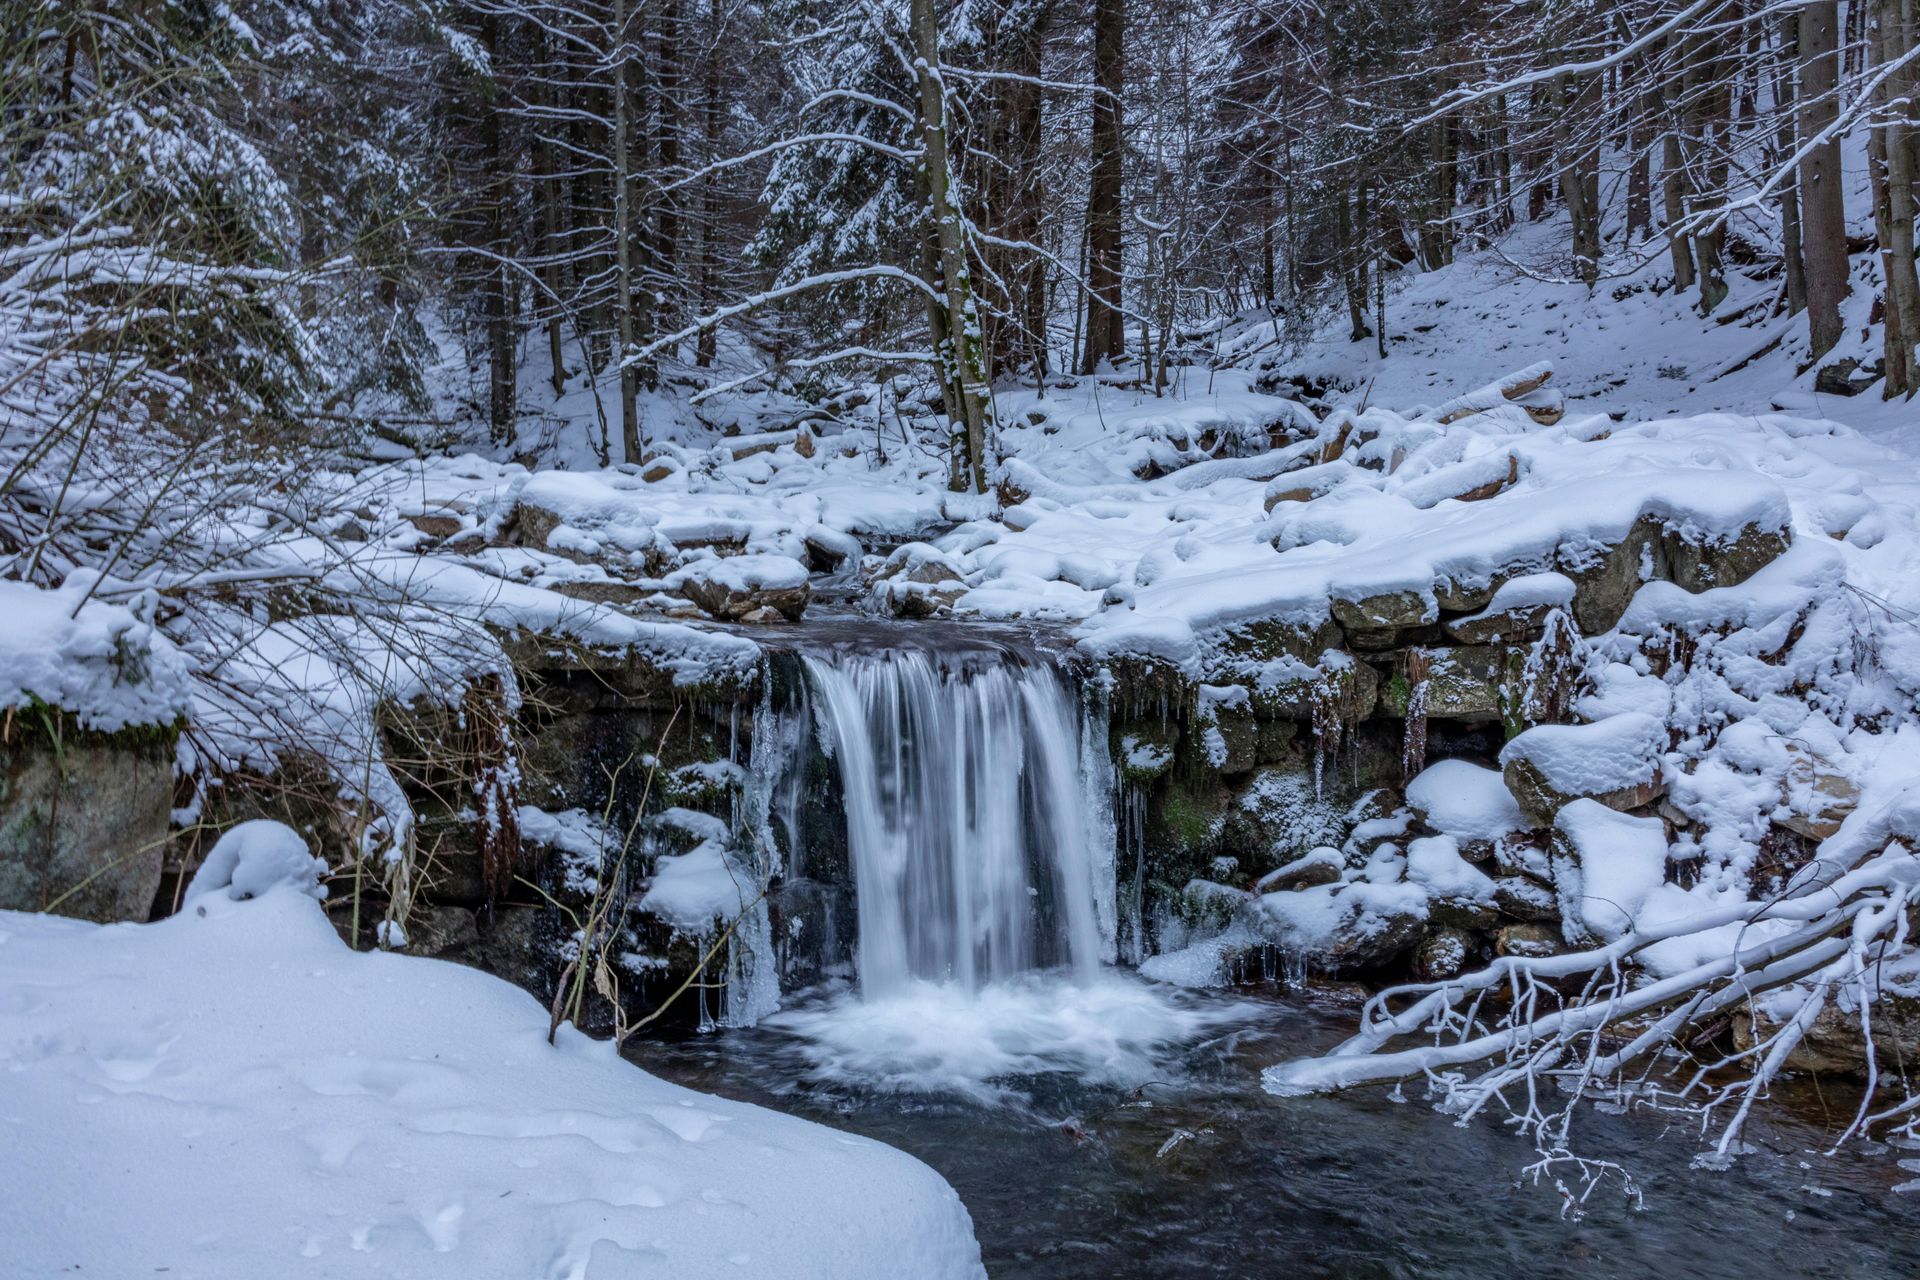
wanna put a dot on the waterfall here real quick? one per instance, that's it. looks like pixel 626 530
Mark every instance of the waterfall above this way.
pixel 978 811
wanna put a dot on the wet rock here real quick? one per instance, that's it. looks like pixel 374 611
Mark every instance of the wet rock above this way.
pixel 1528 941
pixel 1442 954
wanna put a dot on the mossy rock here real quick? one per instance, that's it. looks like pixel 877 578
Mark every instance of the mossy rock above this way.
pixel 83 816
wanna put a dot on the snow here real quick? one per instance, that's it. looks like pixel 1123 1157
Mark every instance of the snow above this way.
pixel 105 664
pixel 1464 800
pixel 299 1109
pixel 1615 864
pixel 1434 863
pixel 690 891
pixel 250 858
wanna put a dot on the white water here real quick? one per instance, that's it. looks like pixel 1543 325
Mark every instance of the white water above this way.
pixel 978 796
pixel 974 841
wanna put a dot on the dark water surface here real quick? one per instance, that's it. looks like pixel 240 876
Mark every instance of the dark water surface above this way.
pixel 1200 1173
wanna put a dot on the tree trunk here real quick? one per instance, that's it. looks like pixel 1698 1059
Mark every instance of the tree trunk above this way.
pixel 1579 161
pixel 1894 152
pixel 1823 220
pixel 624 234
pixel 706 345
pixel 966 348
pixel 1106 327
pixel 1790 231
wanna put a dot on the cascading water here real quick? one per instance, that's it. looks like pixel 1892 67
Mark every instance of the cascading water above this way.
pixel 974 790
pixel 980 836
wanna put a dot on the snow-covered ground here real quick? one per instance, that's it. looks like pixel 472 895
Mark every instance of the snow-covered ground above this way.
pixel 231 1094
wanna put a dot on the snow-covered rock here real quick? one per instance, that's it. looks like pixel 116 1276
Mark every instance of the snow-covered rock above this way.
pixel 1615 761
pixel 253 857
pixel 1464 800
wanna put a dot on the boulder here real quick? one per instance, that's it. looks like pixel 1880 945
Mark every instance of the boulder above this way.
pixel 1722 562
pixel 1343 927
pixel 1517 611
pixel 1279 815
pixel 1464 682
pixel 734 587
pixel 1321 866
pixel 1607 867
pixel 83 823
pixel 1526 899
pixel 1386 611
pixel 1815 796
pixel 1307 483
pixel 1466 801
pixel 1605 577
pixel 1616 762
pixel 919 581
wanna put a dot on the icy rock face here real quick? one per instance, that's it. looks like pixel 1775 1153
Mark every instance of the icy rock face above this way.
pixel 1615 762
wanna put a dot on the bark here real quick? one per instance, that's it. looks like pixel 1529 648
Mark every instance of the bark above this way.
pixel 1574 98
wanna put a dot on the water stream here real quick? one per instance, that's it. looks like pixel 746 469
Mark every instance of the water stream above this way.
pixel 1097 1124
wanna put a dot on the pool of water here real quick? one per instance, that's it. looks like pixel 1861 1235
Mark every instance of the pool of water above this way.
pixel 1117 1129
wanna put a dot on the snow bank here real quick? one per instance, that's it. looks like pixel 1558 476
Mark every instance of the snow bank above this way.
pixel 105 664
pixel 298 1109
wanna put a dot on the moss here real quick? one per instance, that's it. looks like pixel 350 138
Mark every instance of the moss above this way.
pixel 35 725
pixel 1186 821
pixel 1399 693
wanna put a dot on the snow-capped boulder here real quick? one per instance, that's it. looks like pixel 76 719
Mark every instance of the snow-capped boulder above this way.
pixel 1466 801
pixel 1615 762
pixel 1606 866
pixel 747 588
pixel 918 581
pixel 1517 611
